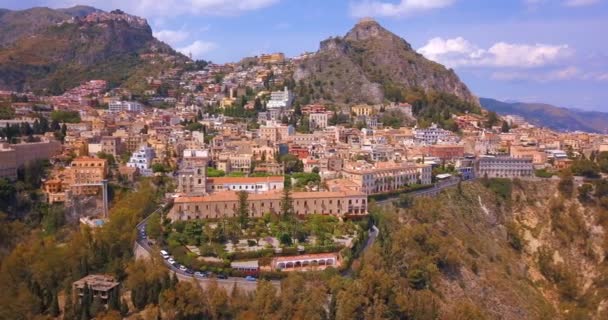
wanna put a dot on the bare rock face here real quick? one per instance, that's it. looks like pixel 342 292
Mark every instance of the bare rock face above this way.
pixel 358 67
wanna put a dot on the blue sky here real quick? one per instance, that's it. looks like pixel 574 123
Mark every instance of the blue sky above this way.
pixel 550 51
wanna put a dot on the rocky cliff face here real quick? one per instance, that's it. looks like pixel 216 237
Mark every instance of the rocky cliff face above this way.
pixel 60 55
pixel 522 249
pixel 18 24
pixel 368 60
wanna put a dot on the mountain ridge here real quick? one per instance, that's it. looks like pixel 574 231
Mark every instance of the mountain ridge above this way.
pixel 550 116
pixel 72 45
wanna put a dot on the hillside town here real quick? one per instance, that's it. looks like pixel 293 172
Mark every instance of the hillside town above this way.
pixel 361 181
pixel 237 134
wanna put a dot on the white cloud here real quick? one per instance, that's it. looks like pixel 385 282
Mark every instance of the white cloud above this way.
pixel 560 74
pixel 164 8
pixel 567 3
pixel 172 37
pixel 459 52
pixel 580 3
pixel 376 8
pixel 198 49
pixel 568 73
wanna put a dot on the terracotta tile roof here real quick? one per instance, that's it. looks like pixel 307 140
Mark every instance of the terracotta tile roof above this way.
pixel 233 196
pixel 230 180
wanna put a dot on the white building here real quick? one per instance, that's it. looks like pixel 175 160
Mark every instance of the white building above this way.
pixel 142 160
pixel 122 106
pixel 280 99
pixel 433 135
pixel 318 120
pixel 247 184
pixel 556 154
pixel 504 167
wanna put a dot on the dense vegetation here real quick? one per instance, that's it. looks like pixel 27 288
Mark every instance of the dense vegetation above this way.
pixel 43 263
pixel 452 258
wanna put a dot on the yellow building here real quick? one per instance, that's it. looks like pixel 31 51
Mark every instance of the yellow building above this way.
pixel 272 58
pixel 363 110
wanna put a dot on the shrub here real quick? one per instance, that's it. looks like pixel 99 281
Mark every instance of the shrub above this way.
pixel 515 236
pixel 543 173
pixel 566 184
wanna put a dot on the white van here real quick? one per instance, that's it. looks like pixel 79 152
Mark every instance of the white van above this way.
pixel 164 253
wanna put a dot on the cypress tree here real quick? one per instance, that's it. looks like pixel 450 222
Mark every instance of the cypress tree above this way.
pixel 124 308
pixel 174 280
pixel 54 307
pixel 96 306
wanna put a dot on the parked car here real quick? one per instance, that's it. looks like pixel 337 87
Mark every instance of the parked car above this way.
pixel 250 278
pixel 182 268
pixel 199 274
pixel 222 276
pixel 164 254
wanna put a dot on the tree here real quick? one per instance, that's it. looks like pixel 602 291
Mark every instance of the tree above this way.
pixel 492 119
pixel 183 302
pixel 404 201
pixel 264 303
pixel 242 209
pixel 159 168
pixel 566 184
pixel 124 307
pixel 584 192
pixel 54 307
pixel 153 227
pixel 585 168
pixel 286 202
pixel 505 127
pixel 97 306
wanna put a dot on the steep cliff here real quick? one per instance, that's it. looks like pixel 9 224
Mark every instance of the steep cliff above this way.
pixel 498 249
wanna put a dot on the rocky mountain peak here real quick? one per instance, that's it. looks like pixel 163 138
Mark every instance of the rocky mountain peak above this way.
pixel 365 29
pixel 370 63
pixel 368 29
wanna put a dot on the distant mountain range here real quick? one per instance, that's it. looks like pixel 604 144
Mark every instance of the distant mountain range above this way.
pixel 56 49
pixel 546 115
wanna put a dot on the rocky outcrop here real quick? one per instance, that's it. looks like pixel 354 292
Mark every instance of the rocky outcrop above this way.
pixel 359 67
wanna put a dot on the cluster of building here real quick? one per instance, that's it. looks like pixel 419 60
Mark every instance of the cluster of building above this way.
pixel 123 136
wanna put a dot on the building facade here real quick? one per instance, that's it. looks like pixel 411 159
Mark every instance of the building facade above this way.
pixel 225 204
pixel 142 160
pixel 504 167
pixel 125 106
pixel 388 177
pixel 247 184
pixel 14 156
pixel 318 120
